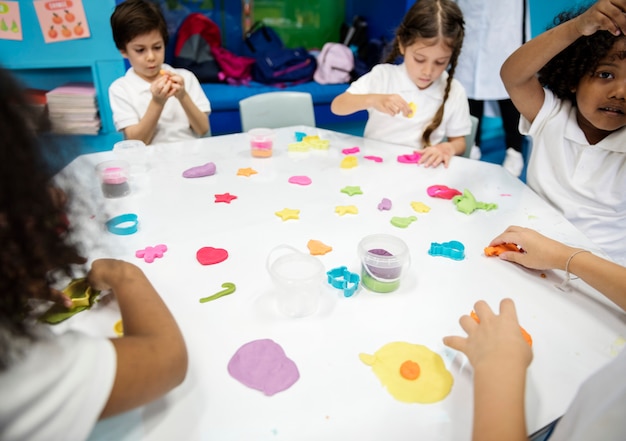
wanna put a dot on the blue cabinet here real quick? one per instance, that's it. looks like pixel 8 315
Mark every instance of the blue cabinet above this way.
pixel 47 65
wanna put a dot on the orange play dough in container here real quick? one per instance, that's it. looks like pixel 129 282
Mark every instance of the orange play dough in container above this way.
pixel 525 334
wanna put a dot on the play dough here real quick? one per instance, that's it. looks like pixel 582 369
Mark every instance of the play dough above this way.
pixel 226 198
pixel 211 256
pixel 263 365
pixel 317 248
pixel 300 180
pixel 200 171
pixel 411 373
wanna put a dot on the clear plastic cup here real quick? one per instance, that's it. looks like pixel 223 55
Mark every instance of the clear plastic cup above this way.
pixel 261 142
pixel 113 176
pixel 383 259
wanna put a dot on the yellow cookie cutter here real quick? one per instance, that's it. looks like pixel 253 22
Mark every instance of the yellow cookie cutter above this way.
pixel 79 292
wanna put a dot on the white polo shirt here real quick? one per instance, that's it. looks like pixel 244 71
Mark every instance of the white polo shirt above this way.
pixel 398 129
pixel 587 183
pixel 130 96
pixel 58 389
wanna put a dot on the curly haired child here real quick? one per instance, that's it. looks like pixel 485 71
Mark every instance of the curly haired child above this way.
pixel 49 378
pixel 418 102
pixel 569 85
pixel 153 102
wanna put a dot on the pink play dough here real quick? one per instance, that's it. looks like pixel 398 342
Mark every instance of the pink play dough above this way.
pixel 263 365
pixel 300 180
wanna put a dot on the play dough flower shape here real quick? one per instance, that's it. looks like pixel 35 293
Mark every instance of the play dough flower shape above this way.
pixel 411 373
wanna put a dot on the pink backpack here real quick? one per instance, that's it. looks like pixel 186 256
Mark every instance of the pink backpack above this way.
pixel 335 64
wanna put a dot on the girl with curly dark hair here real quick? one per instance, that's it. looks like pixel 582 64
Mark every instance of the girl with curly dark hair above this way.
pixel 418 102
pixel 66 381
pixel 569 85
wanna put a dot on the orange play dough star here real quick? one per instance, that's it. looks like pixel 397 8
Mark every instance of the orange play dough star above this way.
pixel 246 172
pixel 317 248
pixel 288 213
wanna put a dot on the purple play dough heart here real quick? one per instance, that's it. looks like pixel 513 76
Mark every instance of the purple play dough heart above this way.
pixel 263 365
pixel 207 169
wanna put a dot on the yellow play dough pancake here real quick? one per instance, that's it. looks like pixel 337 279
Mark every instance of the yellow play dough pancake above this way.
pixel 433 383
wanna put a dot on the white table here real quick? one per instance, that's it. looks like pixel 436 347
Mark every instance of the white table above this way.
pixel 337 397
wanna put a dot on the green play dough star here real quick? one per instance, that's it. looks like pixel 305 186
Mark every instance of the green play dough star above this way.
pixel 351 190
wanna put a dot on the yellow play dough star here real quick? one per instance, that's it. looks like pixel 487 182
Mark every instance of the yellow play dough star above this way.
pixel 345 209
pixel 246 172
pixel 288 213
pixel 420 207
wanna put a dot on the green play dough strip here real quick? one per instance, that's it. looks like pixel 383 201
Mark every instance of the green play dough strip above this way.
pixel 229 288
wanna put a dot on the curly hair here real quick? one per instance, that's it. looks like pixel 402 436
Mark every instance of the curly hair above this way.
pixel 31 219
pixel 563 72
pixel 136 17
pixel 432 20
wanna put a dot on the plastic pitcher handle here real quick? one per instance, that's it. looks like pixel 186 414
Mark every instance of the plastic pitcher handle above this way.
pixel 271 256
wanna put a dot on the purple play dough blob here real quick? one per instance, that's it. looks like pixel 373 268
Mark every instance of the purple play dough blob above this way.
pixel 207 169
pixel 263 365
pixel 383 273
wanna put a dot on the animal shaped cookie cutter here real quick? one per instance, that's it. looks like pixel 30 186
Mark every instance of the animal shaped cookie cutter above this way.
pixel 343 279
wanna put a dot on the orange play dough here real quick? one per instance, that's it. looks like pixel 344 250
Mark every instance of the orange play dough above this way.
pixel 410 370
pixel 525 334
pixel 497 249
pixel 317 248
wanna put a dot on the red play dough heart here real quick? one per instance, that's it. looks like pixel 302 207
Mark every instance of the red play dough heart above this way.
pixel 211 256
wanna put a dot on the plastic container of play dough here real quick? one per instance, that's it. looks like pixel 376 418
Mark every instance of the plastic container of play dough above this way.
pixel 383 259
pixel 113 176
pixel 298 279
pixel 261 142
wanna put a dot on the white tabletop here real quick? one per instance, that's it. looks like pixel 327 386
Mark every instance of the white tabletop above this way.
pixel 337 396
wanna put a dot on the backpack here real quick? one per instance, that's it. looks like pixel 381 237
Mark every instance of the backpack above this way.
pixel 260 39
pixel 199 49
pixel 284 66
pixel 335 64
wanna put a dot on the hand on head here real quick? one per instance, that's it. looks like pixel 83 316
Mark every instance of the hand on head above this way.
pixel 604 15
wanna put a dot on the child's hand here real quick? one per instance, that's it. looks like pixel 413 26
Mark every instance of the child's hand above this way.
pixel 391 105
pixel 496 339
pixel 436 154
pixel 178 84
pixel 162 88
pixel 604 15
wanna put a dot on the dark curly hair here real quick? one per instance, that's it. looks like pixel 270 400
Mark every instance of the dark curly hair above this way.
pixel 563 72
pixel 132 18
pixel 432 20
pixel 32 227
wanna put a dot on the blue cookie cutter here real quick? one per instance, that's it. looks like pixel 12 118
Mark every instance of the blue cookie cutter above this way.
pixel 123 225
pixel 453 250
pixel 341 278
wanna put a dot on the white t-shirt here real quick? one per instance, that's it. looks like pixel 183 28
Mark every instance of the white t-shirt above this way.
pixel 587 183
pixel 58 389
pixel 398 129
pixel 598 411
pixel 130 96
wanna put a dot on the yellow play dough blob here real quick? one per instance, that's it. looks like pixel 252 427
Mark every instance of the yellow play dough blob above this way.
pixel 433 383
pixel 118 327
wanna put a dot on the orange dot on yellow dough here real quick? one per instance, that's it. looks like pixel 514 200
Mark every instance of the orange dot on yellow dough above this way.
pixel 118 327
pixel 410 370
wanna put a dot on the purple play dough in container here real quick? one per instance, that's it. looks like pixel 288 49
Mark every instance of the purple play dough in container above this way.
pixel 384 273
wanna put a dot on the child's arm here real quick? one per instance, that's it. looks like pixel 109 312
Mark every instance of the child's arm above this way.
pixel 500 356
pixel 348 103
pixel 519 71
pixel 151 356
pixel 541 252
pixel 198 120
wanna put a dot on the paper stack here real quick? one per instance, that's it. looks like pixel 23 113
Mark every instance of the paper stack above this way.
pixel 73 108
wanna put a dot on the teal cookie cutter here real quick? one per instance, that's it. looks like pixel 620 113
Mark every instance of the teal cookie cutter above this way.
pixel 454 250
pixel 343 279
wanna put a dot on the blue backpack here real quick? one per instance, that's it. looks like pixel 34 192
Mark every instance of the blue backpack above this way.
pixel 260 39
pixel 284 66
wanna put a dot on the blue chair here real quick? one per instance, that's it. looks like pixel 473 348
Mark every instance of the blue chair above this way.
pixel 276 109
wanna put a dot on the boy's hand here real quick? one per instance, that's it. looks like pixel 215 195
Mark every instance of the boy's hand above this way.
pixel 178 86
pixel 604 15
pixel 162 88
